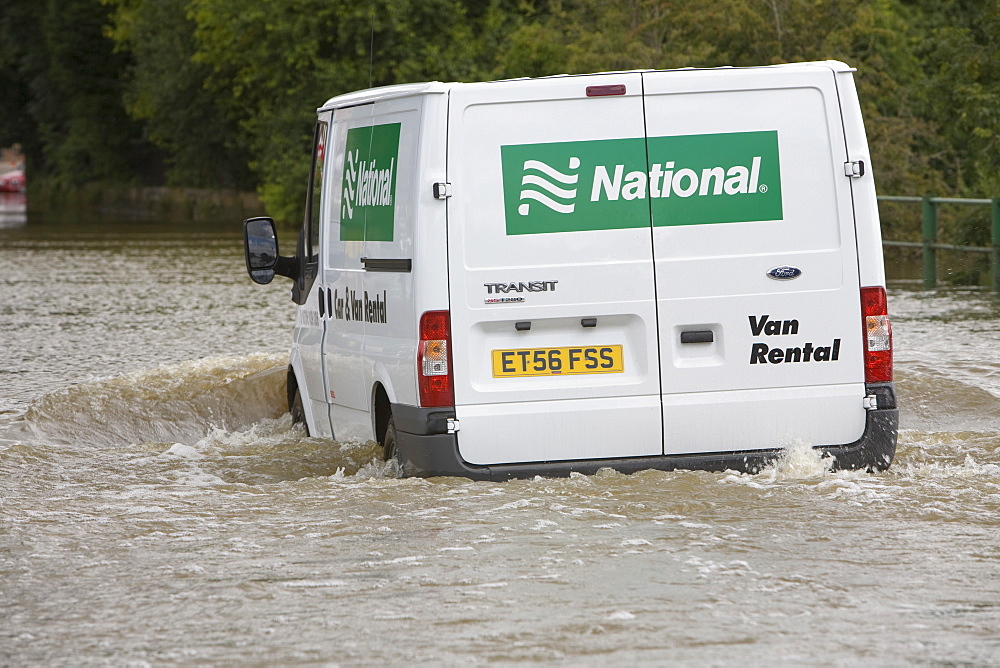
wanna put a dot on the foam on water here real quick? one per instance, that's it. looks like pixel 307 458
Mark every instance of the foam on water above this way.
pixel 184 451
pixel 797 463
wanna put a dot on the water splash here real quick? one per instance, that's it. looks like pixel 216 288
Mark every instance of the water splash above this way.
pixel 166 404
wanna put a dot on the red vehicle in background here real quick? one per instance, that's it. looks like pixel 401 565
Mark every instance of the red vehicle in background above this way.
pixel 12 182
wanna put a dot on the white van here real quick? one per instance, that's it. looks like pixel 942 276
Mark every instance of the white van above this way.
pixel 655 269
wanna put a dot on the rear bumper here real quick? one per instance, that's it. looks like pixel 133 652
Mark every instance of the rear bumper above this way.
pixel 425 449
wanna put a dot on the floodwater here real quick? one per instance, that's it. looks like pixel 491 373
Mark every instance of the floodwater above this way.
pixel 158 507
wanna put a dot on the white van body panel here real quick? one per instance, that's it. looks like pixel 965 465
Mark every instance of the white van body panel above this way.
pixel 715 275
pixel 604 274
pixel 556 429
pixel 739 420
pixel 315 410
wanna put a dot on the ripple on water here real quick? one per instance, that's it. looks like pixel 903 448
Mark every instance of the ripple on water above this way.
pixel 176 515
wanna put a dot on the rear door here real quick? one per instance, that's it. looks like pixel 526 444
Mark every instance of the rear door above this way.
pixel 755 259
pixel 552 294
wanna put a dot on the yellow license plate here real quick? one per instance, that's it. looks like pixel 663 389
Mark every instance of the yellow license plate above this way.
pixel 558 361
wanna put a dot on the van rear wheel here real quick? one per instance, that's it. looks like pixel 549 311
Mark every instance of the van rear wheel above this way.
pixel 297 410
pixel 390 452
pixel 389 440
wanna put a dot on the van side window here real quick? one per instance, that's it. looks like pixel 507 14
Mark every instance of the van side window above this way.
pixel 308 247
pixel 316 191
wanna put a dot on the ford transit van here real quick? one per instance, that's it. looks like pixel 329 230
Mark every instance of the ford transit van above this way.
pixel 650 269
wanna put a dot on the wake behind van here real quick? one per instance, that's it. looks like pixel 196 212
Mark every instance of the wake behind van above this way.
pixel 655 269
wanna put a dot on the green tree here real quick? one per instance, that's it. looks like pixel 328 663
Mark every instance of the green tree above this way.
pixel 76 129
pixel 165 90
pixel 960 53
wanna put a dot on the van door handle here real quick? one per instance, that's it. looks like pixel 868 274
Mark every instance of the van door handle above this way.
pixel 387 264
pixel 697 336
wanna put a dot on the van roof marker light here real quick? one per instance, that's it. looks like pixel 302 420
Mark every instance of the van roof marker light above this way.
pixel 602 91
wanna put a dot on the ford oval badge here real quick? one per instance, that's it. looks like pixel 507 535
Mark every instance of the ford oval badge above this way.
pixel 784 273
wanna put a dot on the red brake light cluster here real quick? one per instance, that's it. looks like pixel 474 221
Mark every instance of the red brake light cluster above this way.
pixel 878 335
pixel 434 375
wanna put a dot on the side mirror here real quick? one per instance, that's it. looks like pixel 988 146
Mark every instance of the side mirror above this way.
pixel 260 241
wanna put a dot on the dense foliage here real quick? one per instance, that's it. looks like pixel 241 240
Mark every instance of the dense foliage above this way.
pixel 220 93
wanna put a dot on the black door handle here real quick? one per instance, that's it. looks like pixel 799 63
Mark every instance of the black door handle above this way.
pixel 698 336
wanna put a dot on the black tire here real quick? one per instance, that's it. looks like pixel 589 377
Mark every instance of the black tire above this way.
pixel 297 411
pixel 389 450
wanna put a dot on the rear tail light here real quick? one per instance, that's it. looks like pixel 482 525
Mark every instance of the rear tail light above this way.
pixel 434 376
pixel 878 335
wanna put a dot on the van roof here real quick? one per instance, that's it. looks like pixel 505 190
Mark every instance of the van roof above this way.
pixel 438 87
pixel 385 92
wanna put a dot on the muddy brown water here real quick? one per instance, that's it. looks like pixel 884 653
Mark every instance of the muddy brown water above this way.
pixel 157 506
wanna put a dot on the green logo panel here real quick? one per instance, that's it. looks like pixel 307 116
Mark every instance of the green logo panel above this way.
pixel 612 184
pixel 368 194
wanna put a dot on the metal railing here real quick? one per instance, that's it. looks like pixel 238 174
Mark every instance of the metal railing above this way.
pixel 929 233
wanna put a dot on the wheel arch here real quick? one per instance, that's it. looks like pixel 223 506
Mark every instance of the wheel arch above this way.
pixel 382 399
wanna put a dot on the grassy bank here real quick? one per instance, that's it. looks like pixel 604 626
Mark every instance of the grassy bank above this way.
pixel 111 201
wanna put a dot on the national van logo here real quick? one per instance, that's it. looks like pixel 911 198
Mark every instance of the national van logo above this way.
pixel 621 183
pixel 539 183
pixel 368 192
